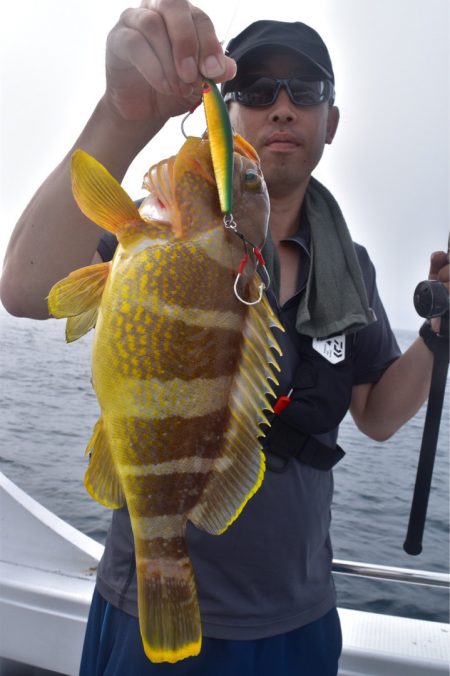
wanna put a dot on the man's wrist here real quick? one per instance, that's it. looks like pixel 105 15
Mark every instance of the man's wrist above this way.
pixel 113 142
pixel 137 133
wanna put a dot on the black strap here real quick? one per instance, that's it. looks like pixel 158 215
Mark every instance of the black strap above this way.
pixel 283 442
pixel 438 343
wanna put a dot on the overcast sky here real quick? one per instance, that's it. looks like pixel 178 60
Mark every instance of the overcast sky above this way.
pixel 388 166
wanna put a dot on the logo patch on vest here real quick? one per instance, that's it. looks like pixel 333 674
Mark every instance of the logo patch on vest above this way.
pixel 332 349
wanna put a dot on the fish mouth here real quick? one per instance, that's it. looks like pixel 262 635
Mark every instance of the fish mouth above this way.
pixel 159 182
pixel 153 209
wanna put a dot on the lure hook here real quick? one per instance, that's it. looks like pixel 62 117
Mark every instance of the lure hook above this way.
pixel 262 287
pixel 248 302
pixel 188 114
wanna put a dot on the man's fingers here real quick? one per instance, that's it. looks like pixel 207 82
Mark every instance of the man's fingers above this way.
pixel 141 40
pixel 162 47
pixel 194 47
pixel 439 265
pixel 211 61
pixel 179 23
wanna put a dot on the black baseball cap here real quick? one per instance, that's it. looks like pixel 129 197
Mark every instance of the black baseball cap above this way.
pixel 295 36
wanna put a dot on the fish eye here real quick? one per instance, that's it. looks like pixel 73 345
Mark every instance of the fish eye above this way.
pixel 252 180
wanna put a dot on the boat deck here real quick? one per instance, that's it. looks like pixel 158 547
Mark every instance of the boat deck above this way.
pixel 45 600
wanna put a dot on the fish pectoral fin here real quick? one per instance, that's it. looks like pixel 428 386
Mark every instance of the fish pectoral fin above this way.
pixel 239 470
pixel 78 297
pixel 80 325
pixel 169 616
pixel 233 483
pixel 101 479
pixel 100 196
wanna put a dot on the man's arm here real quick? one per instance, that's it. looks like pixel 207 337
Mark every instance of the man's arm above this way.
pixel 52 237
pixel 379 410
pixel 155 56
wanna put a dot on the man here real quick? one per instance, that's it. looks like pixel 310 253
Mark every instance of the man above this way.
pixel 265 588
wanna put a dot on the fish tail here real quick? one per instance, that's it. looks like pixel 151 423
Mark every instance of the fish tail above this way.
pixel 169 616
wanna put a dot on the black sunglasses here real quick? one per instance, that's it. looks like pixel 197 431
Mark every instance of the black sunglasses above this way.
pixel 264 90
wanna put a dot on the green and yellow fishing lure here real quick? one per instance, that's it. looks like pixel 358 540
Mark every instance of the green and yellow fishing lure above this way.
pixel 221 141
pixel 220 135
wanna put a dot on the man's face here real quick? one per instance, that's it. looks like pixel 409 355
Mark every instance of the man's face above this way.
pixel 288 138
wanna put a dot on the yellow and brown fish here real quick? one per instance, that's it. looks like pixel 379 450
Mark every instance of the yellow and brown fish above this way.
pixel 180 367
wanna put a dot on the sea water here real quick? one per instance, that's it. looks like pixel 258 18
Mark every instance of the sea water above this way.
pixel 48 410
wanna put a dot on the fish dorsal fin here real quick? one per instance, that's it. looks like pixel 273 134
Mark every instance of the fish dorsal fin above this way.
pixel 185 186
pixel 243 147
pixel 239 470
pixel 101 480
pixel 159 181
pixel 78 297
pixel 195 155
pixel 101 197
pixel 195 187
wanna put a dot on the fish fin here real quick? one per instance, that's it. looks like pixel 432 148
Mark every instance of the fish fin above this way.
pixel 169 615
pixel 76 327
pixel 101 479
pixel 101 197
pixel 78 297
pixel 160 182
pixel 194 183
pixel 199 168
pixel 245 148
pixel 239 470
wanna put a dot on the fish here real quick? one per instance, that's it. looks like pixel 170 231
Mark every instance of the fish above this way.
pixel 183 367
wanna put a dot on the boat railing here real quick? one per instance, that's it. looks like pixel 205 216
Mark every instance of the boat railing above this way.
pixel 391 573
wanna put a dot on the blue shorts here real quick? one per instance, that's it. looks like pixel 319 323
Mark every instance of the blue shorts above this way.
pixel 113 647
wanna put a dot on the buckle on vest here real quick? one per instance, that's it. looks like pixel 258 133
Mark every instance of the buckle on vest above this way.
pixel 283 443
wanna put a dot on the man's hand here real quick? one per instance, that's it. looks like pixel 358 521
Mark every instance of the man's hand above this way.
pixel 156 56
pixel 440 272
pixel 440 268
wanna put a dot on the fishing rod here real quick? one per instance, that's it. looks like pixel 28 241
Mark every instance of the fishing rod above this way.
pixel 430 300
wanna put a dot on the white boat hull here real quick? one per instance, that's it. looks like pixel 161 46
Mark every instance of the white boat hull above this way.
pixel 47 573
